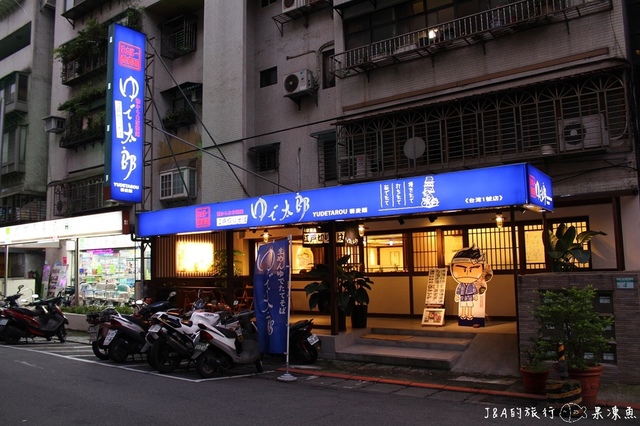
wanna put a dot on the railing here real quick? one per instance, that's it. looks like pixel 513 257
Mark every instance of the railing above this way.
pixel 78 133
pixel 76 70
pixel 461 32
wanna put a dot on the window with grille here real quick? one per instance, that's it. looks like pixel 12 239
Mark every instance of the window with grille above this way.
pixel 178 36
pixel 425 251
pixel 178 183
pixel 354 263
pixel 496 244
pixel 515 124
pixel 581 226
pixel 327 161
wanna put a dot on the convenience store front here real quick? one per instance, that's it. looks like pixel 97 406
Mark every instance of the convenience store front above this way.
pixel 94 250
pixel 387 202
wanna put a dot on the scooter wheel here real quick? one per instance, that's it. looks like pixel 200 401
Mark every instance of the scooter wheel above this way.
pixel 163 357
pixel 304 353
pixel 118 350
pixel 62 334
pixel 208 365
pixel 11 339
pixel 102 354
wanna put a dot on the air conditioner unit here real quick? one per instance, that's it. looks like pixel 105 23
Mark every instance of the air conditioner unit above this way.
pixel 51 4
pixel 580 133
pixel 53 124
pixel 301 81
pixel 290 5
pixel 356 167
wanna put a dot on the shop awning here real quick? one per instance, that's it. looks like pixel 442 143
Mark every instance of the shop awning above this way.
pixel 516 185
pixel 48 232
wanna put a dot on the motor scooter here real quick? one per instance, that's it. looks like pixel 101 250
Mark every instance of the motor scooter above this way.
pixel 46 320
pixel 303 344
pixel 172 339
pixel 98 328
pixel 117 336
pixel 220 349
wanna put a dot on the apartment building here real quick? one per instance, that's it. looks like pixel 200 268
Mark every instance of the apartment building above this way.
pixel 26 34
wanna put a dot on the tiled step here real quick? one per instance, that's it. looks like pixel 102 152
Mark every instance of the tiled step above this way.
pixel 420 348
pixel 417 342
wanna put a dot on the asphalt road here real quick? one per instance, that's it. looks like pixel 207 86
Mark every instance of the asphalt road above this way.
pixel 48 383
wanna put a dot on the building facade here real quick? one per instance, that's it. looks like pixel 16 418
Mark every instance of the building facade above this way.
pixel 26 34
pixel 251 98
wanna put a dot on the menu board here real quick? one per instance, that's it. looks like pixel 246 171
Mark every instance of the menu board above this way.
pixel 436 284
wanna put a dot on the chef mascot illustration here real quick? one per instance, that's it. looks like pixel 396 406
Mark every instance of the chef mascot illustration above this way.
pixel 469 270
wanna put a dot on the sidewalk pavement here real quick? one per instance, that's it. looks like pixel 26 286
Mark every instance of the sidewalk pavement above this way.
pixel 496 386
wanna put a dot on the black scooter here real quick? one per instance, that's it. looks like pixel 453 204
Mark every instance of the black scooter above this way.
pixel 126 336
pixel 303 344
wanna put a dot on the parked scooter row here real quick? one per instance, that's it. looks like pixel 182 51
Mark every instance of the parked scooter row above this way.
pixel 214 341
pixel 45 320
pixel 115 336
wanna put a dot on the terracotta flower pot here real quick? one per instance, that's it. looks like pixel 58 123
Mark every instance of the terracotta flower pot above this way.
pixel 590 382
pixel 534 381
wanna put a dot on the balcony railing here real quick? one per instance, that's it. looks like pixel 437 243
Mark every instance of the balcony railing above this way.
pixel 80 8
pixel 78 70
pixel 462 32
pixel 179 118
pixel 22 209
pixel 78 133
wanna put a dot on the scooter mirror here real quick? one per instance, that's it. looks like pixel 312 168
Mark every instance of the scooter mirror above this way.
pixel 173 293
pixel 20 287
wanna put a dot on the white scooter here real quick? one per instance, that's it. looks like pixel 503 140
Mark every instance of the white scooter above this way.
pixel 171 338
pixel 221 348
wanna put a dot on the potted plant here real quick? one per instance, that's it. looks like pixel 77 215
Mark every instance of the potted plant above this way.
pixel 568 319
pixel 352 296
pixel 535 371
pixel 565 248
pixel 319 292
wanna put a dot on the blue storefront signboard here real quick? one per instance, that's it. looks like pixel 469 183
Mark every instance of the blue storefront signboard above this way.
pixel 488 188
pixel 124 139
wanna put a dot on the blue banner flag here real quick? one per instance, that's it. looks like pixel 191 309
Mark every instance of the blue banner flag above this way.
pixel 271 296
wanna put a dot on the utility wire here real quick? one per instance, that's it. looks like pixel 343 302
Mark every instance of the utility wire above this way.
pixel 159 57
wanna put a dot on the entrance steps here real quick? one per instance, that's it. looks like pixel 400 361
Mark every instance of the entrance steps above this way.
pixel 415 348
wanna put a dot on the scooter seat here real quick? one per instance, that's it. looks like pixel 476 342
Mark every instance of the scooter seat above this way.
pixel 26 311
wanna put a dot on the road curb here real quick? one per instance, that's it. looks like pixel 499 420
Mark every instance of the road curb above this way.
pixel 443 387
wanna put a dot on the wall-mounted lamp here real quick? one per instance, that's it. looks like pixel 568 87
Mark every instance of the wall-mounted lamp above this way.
pixel 361 230
pixel 432 218
pixel 265 236
pixel 499 220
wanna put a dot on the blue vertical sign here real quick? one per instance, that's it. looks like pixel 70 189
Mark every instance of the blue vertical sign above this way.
pixel 124 139
pixel 271 296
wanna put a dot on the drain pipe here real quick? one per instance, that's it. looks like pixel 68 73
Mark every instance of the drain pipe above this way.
pixel 6 246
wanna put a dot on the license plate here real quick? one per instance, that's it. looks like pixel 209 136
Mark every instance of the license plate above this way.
pixel 110 335
pixel 155 328
pixel 4 321
pixel 313 339
pixel 93 333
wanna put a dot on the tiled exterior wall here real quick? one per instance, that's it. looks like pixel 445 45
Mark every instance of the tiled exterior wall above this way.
pixel 626 305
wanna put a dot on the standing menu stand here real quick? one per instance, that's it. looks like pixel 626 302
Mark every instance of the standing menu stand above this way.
pixel 434 300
